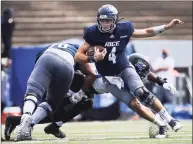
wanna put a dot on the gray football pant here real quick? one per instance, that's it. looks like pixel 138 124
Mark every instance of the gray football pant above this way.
pixel 51 74
pixel 132 82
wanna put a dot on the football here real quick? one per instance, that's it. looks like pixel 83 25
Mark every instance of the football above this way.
pixel 90 51
pixel 153 131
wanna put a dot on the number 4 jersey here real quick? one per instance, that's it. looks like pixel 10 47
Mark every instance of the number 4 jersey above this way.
pixel 115 43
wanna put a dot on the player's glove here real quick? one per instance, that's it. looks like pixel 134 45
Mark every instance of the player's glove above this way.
pixel 170 87
pixel 76 97
pixel 160 81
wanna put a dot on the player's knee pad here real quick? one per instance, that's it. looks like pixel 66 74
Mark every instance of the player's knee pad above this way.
pixel 145 96
pixel 139 92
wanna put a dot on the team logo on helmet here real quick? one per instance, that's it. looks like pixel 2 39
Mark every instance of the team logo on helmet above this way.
pixel 140 65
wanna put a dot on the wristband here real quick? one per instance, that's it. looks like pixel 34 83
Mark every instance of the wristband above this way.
pixel 159 29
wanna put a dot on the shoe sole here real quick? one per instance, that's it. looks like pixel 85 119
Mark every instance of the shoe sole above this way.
pixel 55 135
pixel 161 136
pixel 23 139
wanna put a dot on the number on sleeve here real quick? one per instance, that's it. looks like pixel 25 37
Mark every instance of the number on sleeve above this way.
pixel 112 56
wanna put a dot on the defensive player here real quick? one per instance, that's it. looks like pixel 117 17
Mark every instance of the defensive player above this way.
pixel 53 72
pixel 114 35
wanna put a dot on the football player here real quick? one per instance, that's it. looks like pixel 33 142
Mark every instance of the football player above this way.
pixel 53 72
pixel 114 35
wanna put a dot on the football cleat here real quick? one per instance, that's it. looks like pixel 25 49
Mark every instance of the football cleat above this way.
pixel 175 125
pixel 162 133
pixel 25 128
pixel 54 129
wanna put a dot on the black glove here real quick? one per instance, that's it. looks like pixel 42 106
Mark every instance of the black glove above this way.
pixel 161 81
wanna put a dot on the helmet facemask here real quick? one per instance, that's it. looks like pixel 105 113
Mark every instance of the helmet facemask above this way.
pixel 106 24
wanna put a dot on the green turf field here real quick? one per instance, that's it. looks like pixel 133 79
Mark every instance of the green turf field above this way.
pixel 111 132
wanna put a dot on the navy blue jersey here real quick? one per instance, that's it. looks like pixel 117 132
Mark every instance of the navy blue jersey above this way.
pixel 115 43
pixel 71 48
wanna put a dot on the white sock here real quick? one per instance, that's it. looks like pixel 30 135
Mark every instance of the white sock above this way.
pixel 165 115
pixel 29 106
pixel 159 121
pixel 60 123
pixel 39 115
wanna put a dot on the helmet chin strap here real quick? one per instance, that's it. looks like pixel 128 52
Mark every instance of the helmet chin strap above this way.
pixel 106 31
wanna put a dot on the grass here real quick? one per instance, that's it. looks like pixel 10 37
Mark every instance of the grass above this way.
pixel 111 132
